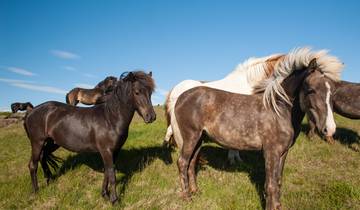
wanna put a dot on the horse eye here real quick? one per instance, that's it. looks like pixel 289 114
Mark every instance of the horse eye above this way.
pixel 310 91
pixel 137 93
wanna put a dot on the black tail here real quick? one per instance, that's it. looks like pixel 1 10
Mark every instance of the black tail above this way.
pixel 48 159
pixel 67 98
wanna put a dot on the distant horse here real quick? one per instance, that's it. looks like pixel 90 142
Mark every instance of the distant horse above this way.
pixel 241 80
pixel 244 122
pixel 345 101
pixel 91 96
pixel 15 107
pixel 108 84
pixel 102 128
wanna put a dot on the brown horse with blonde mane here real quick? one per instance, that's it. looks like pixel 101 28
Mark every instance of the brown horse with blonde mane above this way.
pixel 269 121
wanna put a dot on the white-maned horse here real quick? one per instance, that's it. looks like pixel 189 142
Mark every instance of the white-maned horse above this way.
pixel 241 80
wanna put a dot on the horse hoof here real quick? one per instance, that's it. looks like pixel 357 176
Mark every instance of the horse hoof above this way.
pixel 330 140
pixel 194 190
pixel 113 200
pixel 185 196
pixel 105 195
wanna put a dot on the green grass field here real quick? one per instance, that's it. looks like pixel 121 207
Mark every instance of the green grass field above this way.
pixel 317 175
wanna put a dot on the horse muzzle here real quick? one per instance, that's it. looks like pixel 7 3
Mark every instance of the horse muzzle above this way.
pixel 149 118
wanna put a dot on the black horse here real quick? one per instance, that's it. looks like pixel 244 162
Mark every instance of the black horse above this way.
pixel 15 107
pixel 102 128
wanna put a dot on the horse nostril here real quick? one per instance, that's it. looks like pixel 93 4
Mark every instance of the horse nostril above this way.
pixel 324 130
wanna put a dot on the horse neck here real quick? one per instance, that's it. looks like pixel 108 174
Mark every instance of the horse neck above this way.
pixel 119 111
pixel 292 85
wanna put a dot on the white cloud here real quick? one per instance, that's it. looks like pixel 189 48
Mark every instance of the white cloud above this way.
pixel 64 54
pixel 14 80
pixel 162 91
pixel 70 68
pixel 20 71
pixel 83 85
pixel 40 88
pixel 90 75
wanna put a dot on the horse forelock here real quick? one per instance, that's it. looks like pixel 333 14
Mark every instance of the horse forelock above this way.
pixel 143 78
pixel 297 59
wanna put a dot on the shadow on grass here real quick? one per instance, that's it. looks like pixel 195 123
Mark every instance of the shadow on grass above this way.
pixel 345 136
pixel 129 162
pixel 253 164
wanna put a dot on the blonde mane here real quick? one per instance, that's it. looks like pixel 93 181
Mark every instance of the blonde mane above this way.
pixel 257 69
pixel 297 59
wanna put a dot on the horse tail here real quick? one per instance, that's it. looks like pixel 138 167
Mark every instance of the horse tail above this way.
pixel 67 98
pixel 71 96
pixel 167 109
pixel 49 159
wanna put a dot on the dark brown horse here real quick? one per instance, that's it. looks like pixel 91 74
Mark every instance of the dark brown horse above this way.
pixel 15 107
pixel 91 96
pixel 102 128
pixel 345 101
pixel 244 122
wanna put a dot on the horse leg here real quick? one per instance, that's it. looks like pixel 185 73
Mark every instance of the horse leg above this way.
pixel 272 171
pixel 109 175
pixel 311 133
pixel 281 170
pixel 183 162
pixel 191 170
pixel 233 156
pixel 36 148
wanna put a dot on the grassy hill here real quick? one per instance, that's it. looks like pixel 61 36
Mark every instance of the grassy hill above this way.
pixel 317 175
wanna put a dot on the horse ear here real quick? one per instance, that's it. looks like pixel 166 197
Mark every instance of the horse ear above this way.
pixel 131 77
pixel 313 65
pixel 150 73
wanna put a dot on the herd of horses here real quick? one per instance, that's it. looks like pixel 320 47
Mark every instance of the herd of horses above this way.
pixel 258 106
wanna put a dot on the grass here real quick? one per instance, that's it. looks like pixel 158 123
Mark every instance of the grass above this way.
pixel 317 175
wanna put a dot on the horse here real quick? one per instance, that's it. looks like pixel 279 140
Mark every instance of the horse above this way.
pixel 241 80
pixel 91 96
pixel 15 107
pixel 345 102
pixel 85 96
pixel 269 120
pixel 102 128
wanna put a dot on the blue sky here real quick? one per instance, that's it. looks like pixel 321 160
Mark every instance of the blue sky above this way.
pixel 49 47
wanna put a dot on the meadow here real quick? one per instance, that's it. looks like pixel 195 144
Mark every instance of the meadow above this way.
pixel 317 175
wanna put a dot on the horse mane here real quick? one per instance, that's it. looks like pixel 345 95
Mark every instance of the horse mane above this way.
pixel 297 59
pixel 257 69
pixel 124 86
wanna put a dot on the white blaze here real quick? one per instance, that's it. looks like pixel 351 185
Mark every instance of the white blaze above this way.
pixel 330 123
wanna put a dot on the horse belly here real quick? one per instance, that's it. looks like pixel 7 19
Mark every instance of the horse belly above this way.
pixel 73 138
pixel 236 137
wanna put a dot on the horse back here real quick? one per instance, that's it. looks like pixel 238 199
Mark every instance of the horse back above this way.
pixel 346 99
